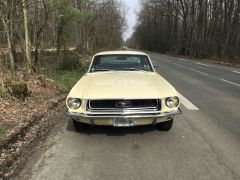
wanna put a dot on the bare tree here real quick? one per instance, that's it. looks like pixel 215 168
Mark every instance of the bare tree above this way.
pixel 7 10
pixel 199 28
pixel 89 25
pixel 28 47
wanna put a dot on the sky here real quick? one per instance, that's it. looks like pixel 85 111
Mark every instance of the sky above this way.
pixel 132 7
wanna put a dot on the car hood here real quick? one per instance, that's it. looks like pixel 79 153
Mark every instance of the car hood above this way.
pixel 122 85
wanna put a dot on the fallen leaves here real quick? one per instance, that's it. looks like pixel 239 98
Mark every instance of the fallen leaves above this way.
pixel 22 122
pixel 15 112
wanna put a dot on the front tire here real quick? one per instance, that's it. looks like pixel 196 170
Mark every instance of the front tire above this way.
pixel 165 126
pixel 80 126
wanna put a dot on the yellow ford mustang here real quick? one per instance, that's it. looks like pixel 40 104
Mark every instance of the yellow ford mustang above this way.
pixel 122 89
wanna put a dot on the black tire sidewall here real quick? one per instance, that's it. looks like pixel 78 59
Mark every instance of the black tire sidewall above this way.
pixel 165 126
pixel 80 126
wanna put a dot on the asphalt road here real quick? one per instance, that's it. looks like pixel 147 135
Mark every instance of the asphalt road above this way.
pixel 204 143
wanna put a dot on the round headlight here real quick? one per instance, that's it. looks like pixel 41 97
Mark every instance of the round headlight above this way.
pixel 73 103
pixel 172 102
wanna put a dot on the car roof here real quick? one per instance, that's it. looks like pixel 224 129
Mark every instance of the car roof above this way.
pixel 121 53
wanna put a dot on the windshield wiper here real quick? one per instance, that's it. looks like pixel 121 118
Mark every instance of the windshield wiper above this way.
pixel 133 69
pixel 96 70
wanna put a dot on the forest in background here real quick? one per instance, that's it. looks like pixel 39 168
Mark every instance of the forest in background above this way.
pixel 31 26
pixel 196 28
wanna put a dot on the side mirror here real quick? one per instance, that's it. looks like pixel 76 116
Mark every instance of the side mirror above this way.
pixel 156 68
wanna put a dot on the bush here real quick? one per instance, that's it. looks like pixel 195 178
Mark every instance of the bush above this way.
pixel 17 89
pixel 68 61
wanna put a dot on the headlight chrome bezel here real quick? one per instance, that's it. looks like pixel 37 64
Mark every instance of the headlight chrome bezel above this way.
pixel 74 103
pixel 172 102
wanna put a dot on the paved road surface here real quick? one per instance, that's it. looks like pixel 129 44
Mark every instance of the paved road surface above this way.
pixel 204 143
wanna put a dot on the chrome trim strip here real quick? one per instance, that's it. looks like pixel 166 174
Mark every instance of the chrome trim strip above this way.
pixel 134 116
pixel 123 112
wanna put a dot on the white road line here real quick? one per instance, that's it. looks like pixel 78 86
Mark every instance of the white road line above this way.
pixel 199 72
pixel 230 82
pixel 184 101
pixel 238 72
pixel 181 59
pixel 203 64
pixel 178 65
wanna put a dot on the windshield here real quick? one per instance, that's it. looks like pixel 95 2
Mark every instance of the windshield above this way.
pixel 121 63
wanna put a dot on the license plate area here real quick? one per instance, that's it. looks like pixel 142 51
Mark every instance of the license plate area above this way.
pixel 123 122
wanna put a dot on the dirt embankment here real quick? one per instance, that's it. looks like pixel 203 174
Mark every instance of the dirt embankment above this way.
pixel 23 123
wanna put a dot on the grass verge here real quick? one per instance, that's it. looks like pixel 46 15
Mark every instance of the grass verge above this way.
pixel 65 80
pixel 2 132
pixel 2 93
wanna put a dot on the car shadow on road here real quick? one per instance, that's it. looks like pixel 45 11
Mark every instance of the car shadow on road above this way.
pixel 113 131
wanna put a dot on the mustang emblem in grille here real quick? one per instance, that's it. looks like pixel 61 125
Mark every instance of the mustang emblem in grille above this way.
pixel 124 104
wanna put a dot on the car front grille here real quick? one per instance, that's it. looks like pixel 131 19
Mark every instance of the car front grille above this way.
pixel 121 105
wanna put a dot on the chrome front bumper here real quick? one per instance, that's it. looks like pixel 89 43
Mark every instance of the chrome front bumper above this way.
pixel 124 116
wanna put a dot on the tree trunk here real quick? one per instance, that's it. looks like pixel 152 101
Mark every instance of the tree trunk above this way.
pixel 27 38
pixel 59 35
pixel 8 29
